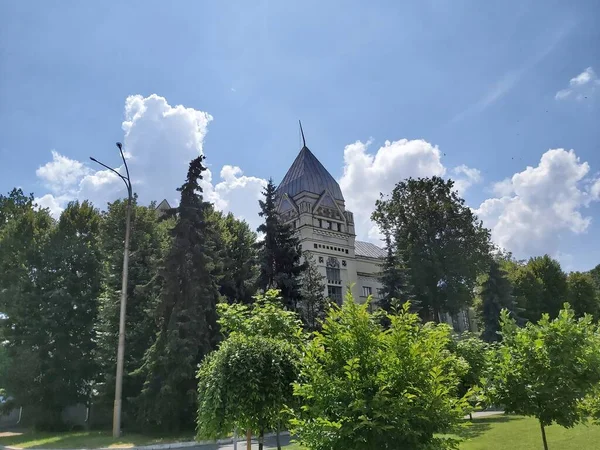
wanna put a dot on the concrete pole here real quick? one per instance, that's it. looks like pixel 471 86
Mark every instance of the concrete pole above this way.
pixel 121 349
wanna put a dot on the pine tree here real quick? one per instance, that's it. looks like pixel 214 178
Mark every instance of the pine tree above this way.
pixel 186 312
pixel 313 306
pixel 148 236
pixel 496 295
pixel 279 252
pixel 395 278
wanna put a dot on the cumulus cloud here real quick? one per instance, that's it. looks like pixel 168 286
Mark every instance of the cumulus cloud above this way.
pixel 160 140
pixel 62 173
pixel 580 87
pixel 534 206
pixel 465 177
pixel 50 202
pixel 366 175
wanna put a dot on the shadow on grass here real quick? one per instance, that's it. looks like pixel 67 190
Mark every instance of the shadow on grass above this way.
pixel 480 425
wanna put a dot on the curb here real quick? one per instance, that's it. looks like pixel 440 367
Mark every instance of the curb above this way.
pixel 173 445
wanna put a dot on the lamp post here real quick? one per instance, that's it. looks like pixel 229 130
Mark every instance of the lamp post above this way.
pixel 121 348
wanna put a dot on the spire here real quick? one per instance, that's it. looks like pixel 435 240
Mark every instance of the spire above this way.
pixel 302 132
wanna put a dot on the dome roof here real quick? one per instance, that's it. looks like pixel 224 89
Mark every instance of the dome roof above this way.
pixel 307 174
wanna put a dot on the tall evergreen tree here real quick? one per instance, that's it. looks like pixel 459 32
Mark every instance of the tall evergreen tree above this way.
pixel 148 236
pixel 313 306
pixel 495 295
pixel 279 252
pixel 186 312
pixel 240 270
pixel 395 279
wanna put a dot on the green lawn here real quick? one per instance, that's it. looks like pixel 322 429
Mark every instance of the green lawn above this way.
pixel 521 433
pixel 83 439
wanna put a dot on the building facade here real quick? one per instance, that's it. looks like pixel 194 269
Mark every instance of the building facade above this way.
pixel 311 200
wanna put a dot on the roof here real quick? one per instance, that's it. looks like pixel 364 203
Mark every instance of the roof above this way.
pixel 307 174
pixel 368 250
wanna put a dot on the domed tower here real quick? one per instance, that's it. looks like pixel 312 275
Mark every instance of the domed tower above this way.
pixel 311 200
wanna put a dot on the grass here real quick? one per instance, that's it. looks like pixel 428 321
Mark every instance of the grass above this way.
pixel 494 432
pixel 83 439
pixel 520 433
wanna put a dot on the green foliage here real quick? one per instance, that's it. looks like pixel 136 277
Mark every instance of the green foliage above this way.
pixel 438 238
pixel 583 294
pixel 395 278
pixel 247 382
pixel 240 270
pixel 546 369
pixel 540 286
pixel 362 387
pixel 279 253
pixel 495 294
pixel 50 283
pixel 186 313
pixel 478 355
pixel 314 303
pixel 148 237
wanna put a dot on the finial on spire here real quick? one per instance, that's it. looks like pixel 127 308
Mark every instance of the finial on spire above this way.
pixel 302 132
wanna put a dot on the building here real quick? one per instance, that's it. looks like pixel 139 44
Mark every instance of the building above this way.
pixel 311 200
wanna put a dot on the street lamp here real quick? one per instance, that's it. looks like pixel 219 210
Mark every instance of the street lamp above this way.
pixel 121 348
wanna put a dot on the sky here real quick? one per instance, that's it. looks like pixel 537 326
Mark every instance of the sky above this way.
pixel 502 97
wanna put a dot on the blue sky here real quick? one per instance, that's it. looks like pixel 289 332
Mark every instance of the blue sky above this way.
pixel 477 91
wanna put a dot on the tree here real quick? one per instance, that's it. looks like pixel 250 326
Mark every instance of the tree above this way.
pixel 314 303
pixel 395 277
pixel 148 236
pixel 240 270
pixel 362 386
pixel 53 281
pixel 583 294
pixel 279 252
pixel 545 370
pixel 495 295
pixel 595 274
pixel 247 382
pixel 540 286
pixel 186 315
pixel 477 355
pixel 439 238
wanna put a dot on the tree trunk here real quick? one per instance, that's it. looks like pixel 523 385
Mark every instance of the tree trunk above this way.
pixel 544 436
pixel 471 416
pixel 277 436
pixel 261 439
pixel 249 439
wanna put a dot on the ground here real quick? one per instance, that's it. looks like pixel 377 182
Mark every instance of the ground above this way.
pixel 498 432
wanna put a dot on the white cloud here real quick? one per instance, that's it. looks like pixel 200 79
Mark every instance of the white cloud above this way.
pixel 534 206
pixel 61 173
pixel 465 178
pixel 159 140
pixel 52 203
pixel 367 175
pixel 581 87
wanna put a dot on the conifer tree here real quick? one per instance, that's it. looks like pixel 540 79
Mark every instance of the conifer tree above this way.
pixel 186 312
pixel 314 304
pixel 279 252
pixel 496 295
pixel 395 278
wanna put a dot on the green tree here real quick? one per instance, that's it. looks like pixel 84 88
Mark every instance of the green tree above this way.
pixel 240 269
pixel 148 236
pixel 52 281
pixel 595 274
pixel 583 294
pixel 540 286
pixel 545 370
pixel 362 386
pixel 495 294
pixel 279 252
pixel 314 303
pixel 247 382
pixel 395 277
pixel 439 238
pixel 477 354
pixel 186 315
